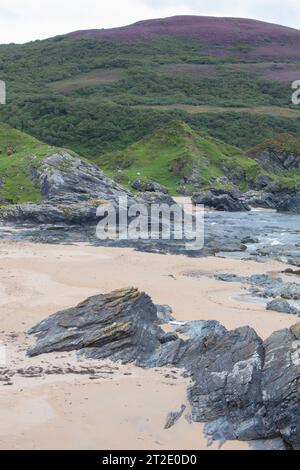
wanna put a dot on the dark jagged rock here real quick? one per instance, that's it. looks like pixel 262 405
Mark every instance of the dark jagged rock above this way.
pixel 280 384
pixel 148 186
pixel 63 175
pixel 120 325
pixel 295 272
pixel 266 286
pixel 262 182
pixel 226 378
pixel 226 277
pixel 269 444
pixel 174 416
pixel 290 203
pixel 266 196
pixel 242 387
pixel 249 240
pixel 51 212
pixel 168 337
pixel 285 253
pixel 276 160
pixel 263 199
pixel 282 305
pixel 71 190
pixel 248 389
pixel 222 200
pixel 281 200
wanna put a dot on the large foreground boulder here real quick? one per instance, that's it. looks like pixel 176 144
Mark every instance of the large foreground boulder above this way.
pixel 122 325
pixel 242 387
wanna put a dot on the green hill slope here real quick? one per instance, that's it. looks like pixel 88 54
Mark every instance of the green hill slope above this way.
pixel 20 156
pixel 177 155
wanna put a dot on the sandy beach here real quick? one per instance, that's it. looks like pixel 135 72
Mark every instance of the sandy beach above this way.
pixel 82 403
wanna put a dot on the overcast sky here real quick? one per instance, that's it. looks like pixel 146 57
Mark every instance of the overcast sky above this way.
pixel 26 20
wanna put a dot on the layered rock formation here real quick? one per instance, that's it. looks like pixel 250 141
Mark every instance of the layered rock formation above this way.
pixel 242 387
pixel 221 200
pixel 279 154
pixel 273 187
pixel 72 188
pixel 232 200
pixel 122 325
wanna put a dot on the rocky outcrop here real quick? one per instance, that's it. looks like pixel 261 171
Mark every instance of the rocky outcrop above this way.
pixel 281 198
pixel 227 379
pixel 282 305
pixel 242 387
pixel 263 199
pixel 71 189
pixel 54 211
pixel 267 287
pixel 122 325
pixel 221 200
pixel 282 294
pixel 63 175
pixel 290 203
pixel 148 186
pixel 248 389
pixel 276 160
pixel 232 200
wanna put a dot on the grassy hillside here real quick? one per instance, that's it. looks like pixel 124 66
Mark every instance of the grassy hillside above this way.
pixel 173 156
pixel 97 93
pixel 177 155
pixel 20 155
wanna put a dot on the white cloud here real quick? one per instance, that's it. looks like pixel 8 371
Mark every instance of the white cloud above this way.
pixel 24 20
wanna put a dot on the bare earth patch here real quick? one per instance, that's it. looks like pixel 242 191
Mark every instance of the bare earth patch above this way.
pixel 93 78
pixel 280 72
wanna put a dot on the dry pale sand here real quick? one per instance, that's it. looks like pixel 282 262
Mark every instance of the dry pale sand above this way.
pixel 87 404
